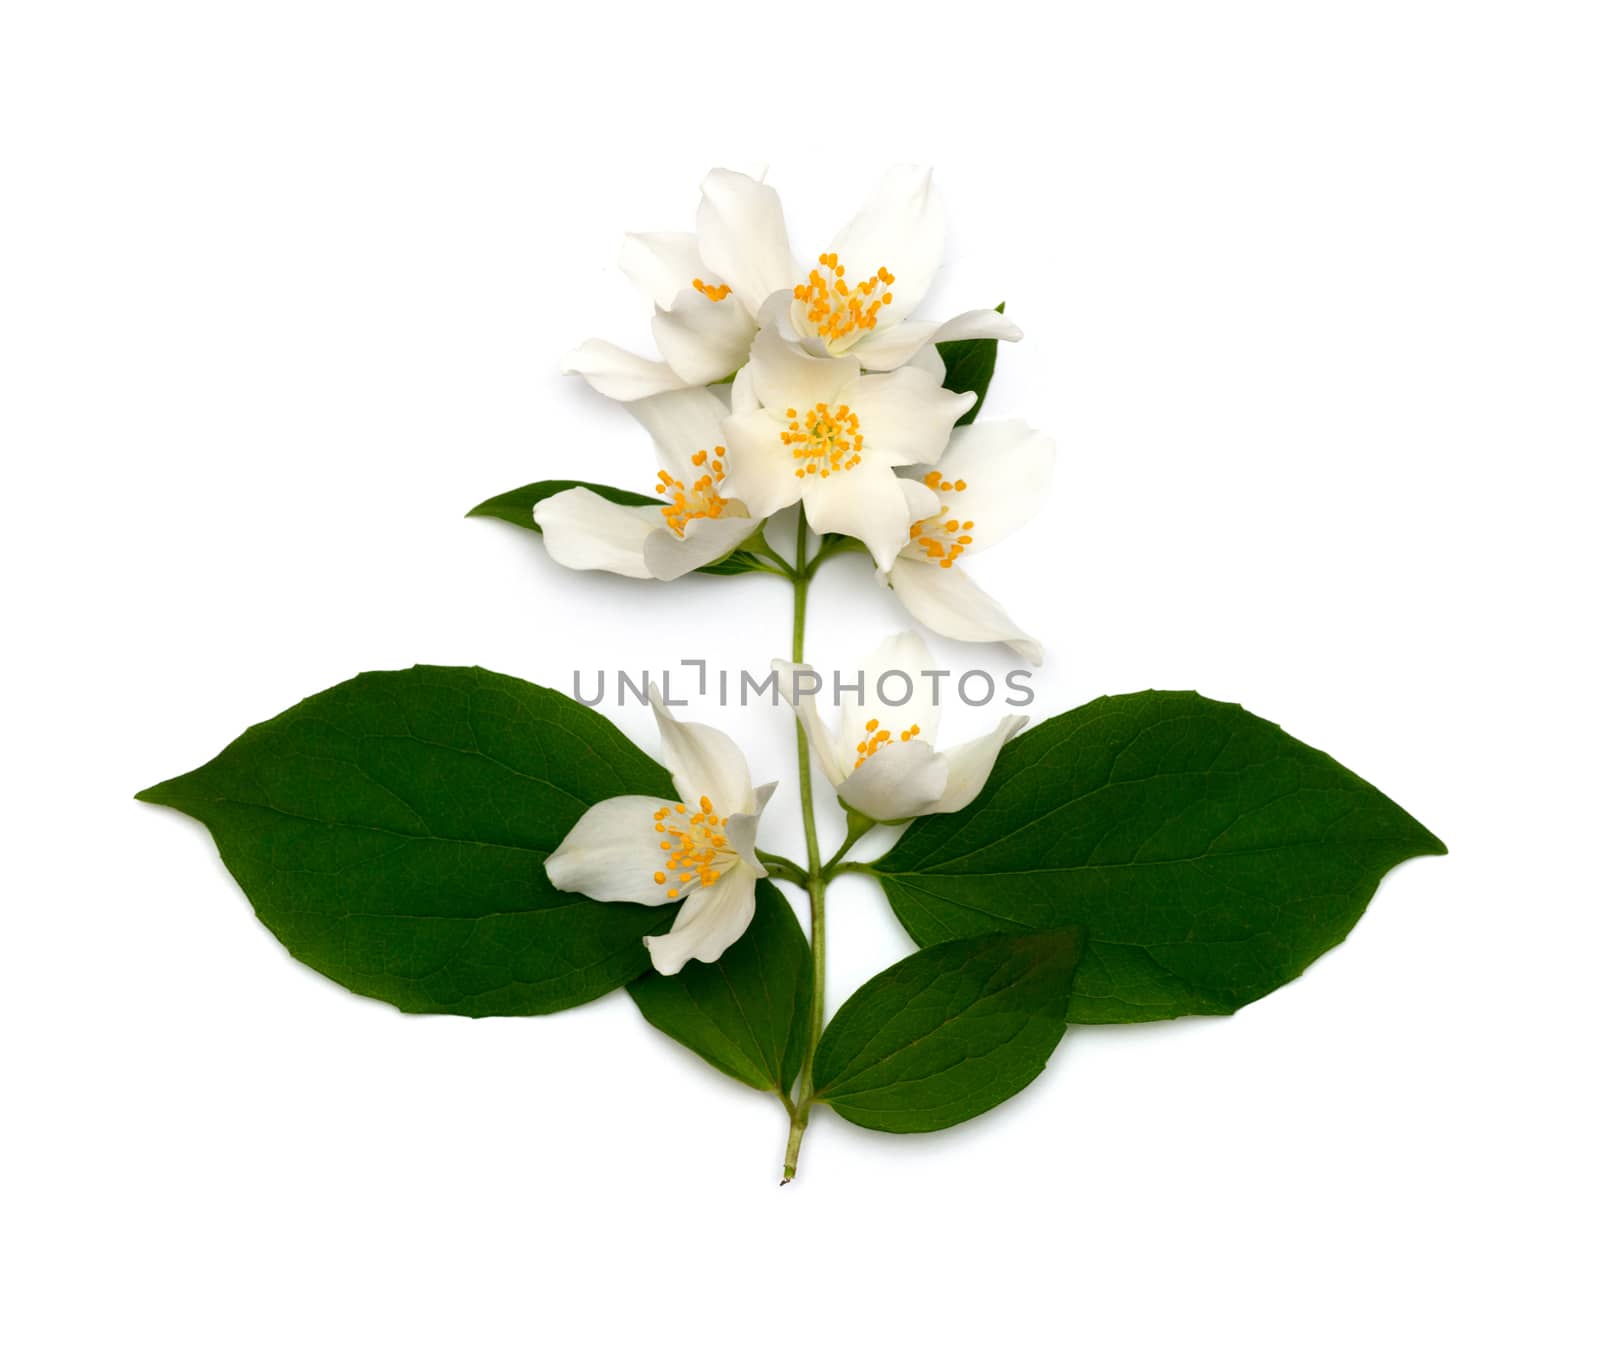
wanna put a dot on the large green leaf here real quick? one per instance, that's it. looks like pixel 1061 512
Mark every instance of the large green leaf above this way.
pixel 392 832
pixel 516 506
pixel 949 1032
pixel 746 1013
pixel 969 368
pixel 1210 857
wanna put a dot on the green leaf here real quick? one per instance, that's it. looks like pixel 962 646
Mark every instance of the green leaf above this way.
pixel 746 1013
pixel 516 506
pixel 1210 857
pixel 392 833
pixel 968 368
pixel 949 1032
pixel 735 562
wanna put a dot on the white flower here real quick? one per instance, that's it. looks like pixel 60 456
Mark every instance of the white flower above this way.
pixel 710 287
pixel 704 320
pixel 882 760
pixel 990 481
pixel 859 296
pixel 699 850
pixel 698 524
pixel 815 429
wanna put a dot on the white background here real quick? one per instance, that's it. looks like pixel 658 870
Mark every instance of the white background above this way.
pixel 1310 296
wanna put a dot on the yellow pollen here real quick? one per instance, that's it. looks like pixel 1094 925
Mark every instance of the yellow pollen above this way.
pixel 696 500
pixel 697 852
pixel 942 539
pixel 837 309
pixel 825 441
pixel 716 293
pixel 876 739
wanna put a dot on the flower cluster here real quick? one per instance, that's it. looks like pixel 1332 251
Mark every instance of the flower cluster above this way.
pixel 783 383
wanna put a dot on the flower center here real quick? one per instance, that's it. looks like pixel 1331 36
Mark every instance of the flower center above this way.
pixel 716 293
pixel 943 538
pixel 694 846
pixel 836 309
pixel 824 441
pixel 699 499
pixel 877 739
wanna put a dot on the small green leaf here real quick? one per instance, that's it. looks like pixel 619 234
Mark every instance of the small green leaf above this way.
pixel 746 1013
pixel 949 1032
pixel 1209 856
pixel 735 562
pixel 969 368
pixel 516 507
pixel 392 833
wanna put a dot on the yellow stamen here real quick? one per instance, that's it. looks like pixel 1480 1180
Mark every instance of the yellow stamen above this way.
pixel 716 293
pixel 697 852
pixel 838 310
pixel 937 537
pixel 699 499
pixel 878 739
pixel 825 441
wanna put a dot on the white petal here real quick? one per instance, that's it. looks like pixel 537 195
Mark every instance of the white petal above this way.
pixel 582 530
pixel 703 762
pixel 906 654
pixel 897 783
pixel 663 264
pixel 947 601
pixel 901 227
pixel 887 348
pixel 824 743
pixel 742 392
pixel 906 417
pixel 617 373
pixel 703 340
pixel 742 828
pixel 681 423
pixel 866 502
pixel 1006 467
pixel 612 854
pixel 760 468
pixel 970 764
pixel 705 539
pixel 711 920
pixel 927 359
pixel 921 501
pixel 784 376
pixel 743 237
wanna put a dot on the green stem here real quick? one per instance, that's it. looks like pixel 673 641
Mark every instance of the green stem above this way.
pixel 816 885
pixel 779 867
pixel 843 546
pixel 766 567
pixel 834 869
pixel 858 826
